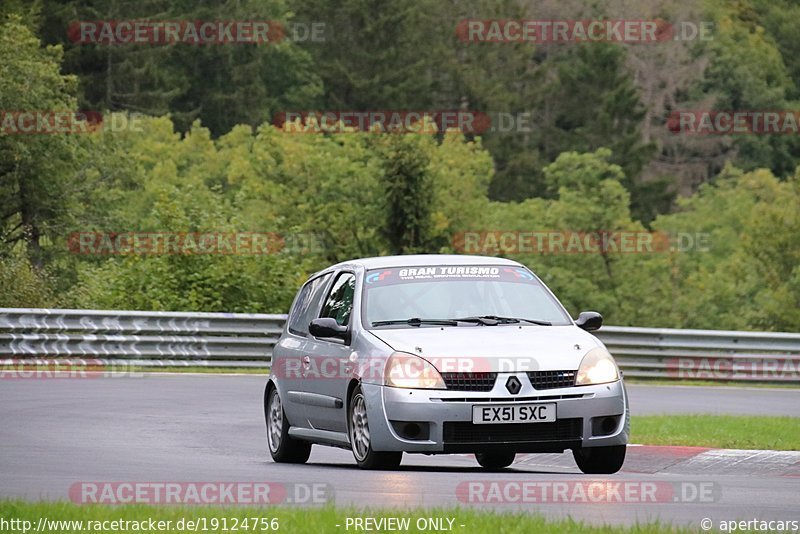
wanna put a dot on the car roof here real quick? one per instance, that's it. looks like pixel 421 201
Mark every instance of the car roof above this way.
pixel 420 260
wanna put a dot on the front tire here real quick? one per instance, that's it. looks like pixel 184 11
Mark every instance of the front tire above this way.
pixel 600 460
pixel 495 460
pixel 360 439
pixel 282 447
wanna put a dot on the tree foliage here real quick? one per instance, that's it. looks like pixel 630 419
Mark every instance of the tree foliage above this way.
pixel 201 155
pixel 37 172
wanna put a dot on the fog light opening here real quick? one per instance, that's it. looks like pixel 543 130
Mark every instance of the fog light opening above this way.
pixel 609 425
pixel 412 430
pixel 605 425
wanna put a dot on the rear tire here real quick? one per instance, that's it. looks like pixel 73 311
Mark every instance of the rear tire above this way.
pixel 600 460
pixel 495 460
pixel 282 447
pixel 360 440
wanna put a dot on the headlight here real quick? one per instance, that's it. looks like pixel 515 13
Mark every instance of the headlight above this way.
pixel 408 371
pixel 597 367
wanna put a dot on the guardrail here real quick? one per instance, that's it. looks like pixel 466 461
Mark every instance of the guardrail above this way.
pixel 140 338
pixel 727 355
pixel 157 339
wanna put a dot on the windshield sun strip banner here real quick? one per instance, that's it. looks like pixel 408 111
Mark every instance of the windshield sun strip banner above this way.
pixel 399 275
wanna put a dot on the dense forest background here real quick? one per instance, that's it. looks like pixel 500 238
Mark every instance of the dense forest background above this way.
pixel 205 156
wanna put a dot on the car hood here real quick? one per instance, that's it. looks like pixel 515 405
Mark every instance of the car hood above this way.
pixel 503 348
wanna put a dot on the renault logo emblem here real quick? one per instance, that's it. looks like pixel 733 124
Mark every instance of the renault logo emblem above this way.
pixel 513 385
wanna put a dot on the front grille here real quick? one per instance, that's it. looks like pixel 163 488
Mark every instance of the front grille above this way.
pixel 549 397
pixel 469 381
pixel 559 430
pixel 552 379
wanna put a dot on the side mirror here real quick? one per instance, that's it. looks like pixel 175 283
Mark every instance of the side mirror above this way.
pixel 328 327
pixel 589 321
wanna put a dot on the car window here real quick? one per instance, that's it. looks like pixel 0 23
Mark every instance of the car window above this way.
pixel 339 303
pixel 306 305
pixel 438 292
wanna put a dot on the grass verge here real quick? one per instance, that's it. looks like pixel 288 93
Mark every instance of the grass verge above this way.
pixel 720 431
pixel 711 383
pixel 293 520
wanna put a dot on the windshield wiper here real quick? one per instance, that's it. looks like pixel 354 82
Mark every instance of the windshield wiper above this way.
pixel 416 321
pixel 486 320
pixel 492 320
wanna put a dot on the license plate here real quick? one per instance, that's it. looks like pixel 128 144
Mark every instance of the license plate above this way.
pixel 532 412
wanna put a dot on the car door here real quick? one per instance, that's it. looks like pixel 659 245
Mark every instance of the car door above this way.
pixel 330 366
pixel 290 355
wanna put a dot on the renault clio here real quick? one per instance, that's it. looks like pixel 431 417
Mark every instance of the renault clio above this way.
pixel 439 354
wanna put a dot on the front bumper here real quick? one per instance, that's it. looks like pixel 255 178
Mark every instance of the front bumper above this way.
pixel 449 417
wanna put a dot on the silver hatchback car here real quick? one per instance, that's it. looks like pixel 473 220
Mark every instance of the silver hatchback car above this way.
pixel 439 354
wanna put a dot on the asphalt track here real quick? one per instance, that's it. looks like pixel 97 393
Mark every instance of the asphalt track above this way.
pixel 54 433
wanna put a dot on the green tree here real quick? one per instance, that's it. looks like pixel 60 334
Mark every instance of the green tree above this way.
pixel 591 200
pixel 222 85
pixel 22 286
pixel 743 276
pixel 378 55
pixel 37 171
pixel 461 171
pixel 746 71
pixel 593 103
pixel 176 187
pixel 409 192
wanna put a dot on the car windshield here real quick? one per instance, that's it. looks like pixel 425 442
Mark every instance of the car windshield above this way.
pixel 437 295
